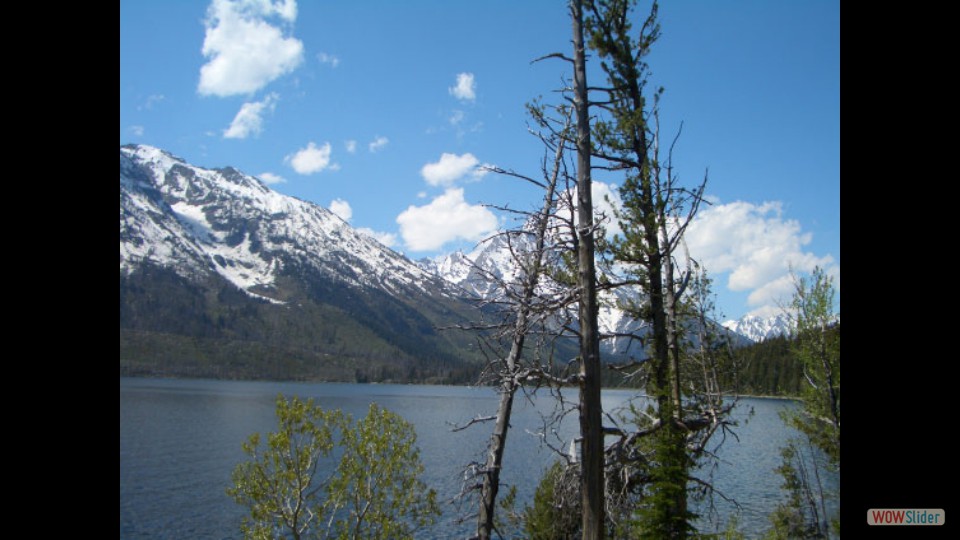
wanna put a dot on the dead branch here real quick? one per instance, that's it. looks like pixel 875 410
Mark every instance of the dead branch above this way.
pixel 561 56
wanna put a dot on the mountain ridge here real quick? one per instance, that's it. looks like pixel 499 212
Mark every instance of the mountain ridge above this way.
pixel 217 232
pixel 215 266
pixel 213 262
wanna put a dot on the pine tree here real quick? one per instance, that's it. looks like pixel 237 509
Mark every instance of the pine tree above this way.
pixel 687 361
pixel 628 142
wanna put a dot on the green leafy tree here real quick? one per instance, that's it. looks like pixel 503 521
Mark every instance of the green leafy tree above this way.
pixel 374 492
pixel 770 368
pixel 627 141
pixel 377 482
pixel 816 344
pixel 277 483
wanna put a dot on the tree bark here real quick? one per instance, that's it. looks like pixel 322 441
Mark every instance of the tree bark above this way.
pixel 591 431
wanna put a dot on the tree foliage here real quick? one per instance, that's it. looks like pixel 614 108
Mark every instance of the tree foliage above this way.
pixel 818 349
pixel 800 516
pixel 770 368
pixel 551 515
pixel 374 491
pixel 806 459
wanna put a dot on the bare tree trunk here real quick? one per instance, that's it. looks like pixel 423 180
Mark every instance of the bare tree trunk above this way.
pixel 673 341
pixel 591 429
pixel 498 441
pixel 670 295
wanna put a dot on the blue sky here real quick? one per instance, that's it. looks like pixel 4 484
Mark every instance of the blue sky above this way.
pixel 384 111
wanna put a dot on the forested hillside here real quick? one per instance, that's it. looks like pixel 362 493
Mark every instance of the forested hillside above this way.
pixel 771 367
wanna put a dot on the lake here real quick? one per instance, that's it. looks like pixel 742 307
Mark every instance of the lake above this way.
pixel 180 440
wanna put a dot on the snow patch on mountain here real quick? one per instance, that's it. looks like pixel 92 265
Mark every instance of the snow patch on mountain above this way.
pixel 760 328
pixel 490 267
pixel 197 220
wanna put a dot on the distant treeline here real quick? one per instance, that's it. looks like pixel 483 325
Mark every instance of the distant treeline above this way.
pixel 174 327
pixel 766 368
pixel 771 368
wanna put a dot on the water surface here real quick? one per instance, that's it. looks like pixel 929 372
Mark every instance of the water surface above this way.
pixel 180 440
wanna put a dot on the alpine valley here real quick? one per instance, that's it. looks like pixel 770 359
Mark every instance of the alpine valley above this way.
pixel 220 276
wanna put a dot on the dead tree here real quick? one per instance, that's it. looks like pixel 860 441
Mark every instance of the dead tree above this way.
pixel 512 373
pixel 591 421
pixel 525 312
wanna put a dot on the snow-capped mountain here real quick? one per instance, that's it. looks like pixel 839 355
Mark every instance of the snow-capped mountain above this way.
pixel 197 220
pixel 759 328
pixel 484 271
pixel 222 276
pixel 214 254
pixel 495 259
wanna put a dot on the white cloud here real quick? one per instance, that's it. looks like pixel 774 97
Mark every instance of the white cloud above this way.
pixel 151 100
pixel 244 51
pixel 771 295
pixel 286 9
pixel 325 58
pixel 449 169
pixel 456 117
pixel 465 89
pixel 445 219
pixel 385 238
pixel 765 311
pixel 270 178
pixel 756 245
pixel 752 243
pixel 605 198
pixel 342 209
pixel 378 143
pixel 351 146
pixel 137 131
pixel 249 119
pixel 311 159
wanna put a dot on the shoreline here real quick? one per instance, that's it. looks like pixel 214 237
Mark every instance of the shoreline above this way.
pixel 318 381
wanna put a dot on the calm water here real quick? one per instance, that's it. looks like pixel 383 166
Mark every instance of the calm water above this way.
pixel 180 439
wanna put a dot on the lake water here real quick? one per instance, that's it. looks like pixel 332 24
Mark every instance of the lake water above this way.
pixel 180 440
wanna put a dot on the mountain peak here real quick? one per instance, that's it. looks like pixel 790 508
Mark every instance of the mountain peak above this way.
pixel 760 328
pixel 147 153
